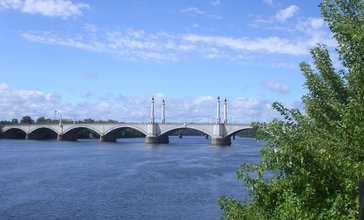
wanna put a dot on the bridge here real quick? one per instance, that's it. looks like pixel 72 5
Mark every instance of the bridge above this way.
pixel 155 133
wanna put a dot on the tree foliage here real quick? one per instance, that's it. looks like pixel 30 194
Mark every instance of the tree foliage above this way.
pixel 26 120
pixel 43 120
pixel 312 162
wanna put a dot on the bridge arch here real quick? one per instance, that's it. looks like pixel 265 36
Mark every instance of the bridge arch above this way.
pixel 122 127
pixel 43 127
pixel 114 133
pixel 42 132
pixel 81 127
pixel 73 133
pixel 177 128
pixel 14 133
pixel 236 131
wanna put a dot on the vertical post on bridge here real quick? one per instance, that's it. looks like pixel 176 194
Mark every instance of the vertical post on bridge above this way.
pixel 219 130
pixel 218 119
pixel 225 111
pixel 163 112
pixel 152 111
pixel 153 134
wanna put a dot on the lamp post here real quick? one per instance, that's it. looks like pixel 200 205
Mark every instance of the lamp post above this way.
pixel 225 112
pixel 218 119
pixel 152 111
pixel 163 112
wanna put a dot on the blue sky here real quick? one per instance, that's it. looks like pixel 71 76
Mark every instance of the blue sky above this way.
pixel 106 59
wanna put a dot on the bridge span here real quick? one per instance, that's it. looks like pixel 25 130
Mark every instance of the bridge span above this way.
pixel 220 132
pixel 156 133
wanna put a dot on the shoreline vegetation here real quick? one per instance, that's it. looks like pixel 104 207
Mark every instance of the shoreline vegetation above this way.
pixel 313 161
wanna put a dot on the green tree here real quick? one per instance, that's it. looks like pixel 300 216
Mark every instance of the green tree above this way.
pixel 89 121
pixel 26 120
pixel 312 162
pixel 43 120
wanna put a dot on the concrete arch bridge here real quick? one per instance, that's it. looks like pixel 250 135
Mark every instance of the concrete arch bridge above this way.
pixel 155 133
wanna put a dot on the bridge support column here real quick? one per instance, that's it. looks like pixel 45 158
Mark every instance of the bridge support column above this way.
pixel 62 137
pixel 219 135
pixel 164 139
pixel 221 141
pixel 153 136
pixel 107 138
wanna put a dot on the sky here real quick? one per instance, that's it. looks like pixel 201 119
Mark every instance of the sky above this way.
pixel 106 59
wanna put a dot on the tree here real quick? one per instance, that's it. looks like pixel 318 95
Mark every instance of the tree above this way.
pixel 26 120
pixel 14 121
pixel 312 162
pixel 89 120
pixel 43 120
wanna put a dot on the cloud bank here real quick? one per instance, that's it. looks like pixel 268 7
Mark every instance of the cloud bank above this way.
pixel 49 8
pixel 131 44
pixel 16 103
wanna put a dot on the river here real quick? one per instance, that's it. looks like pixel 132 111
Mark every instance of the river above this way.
pixel 124 180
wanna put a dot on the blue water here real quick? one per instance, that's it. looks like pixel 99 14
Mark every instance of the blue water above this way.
pixel 125 180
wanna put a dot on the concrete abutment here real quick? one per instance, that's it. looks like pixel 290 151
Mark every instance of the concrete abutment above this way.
pixel 221 141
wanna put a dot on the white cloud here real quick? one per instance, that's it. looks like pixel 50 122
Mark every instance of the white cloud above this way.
pixel 310 24
pixel 316 23
pixel 270 44
pixel 131 44
pixel 49 8
pixel 315 29
pixel 54 39
pixel 197 11
pixel 276 86
pixel 10 4
pixel 286 13
pixel 16 103
pixel 192 10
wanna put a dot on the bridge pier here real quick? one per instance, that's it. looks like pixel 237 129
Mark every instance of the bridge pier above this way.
pixel 221 141
pixel 163 139
pixel 107 138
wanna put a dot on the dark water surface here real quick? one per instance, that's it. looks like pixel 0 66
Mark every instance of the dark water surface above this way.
pixel 125 180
